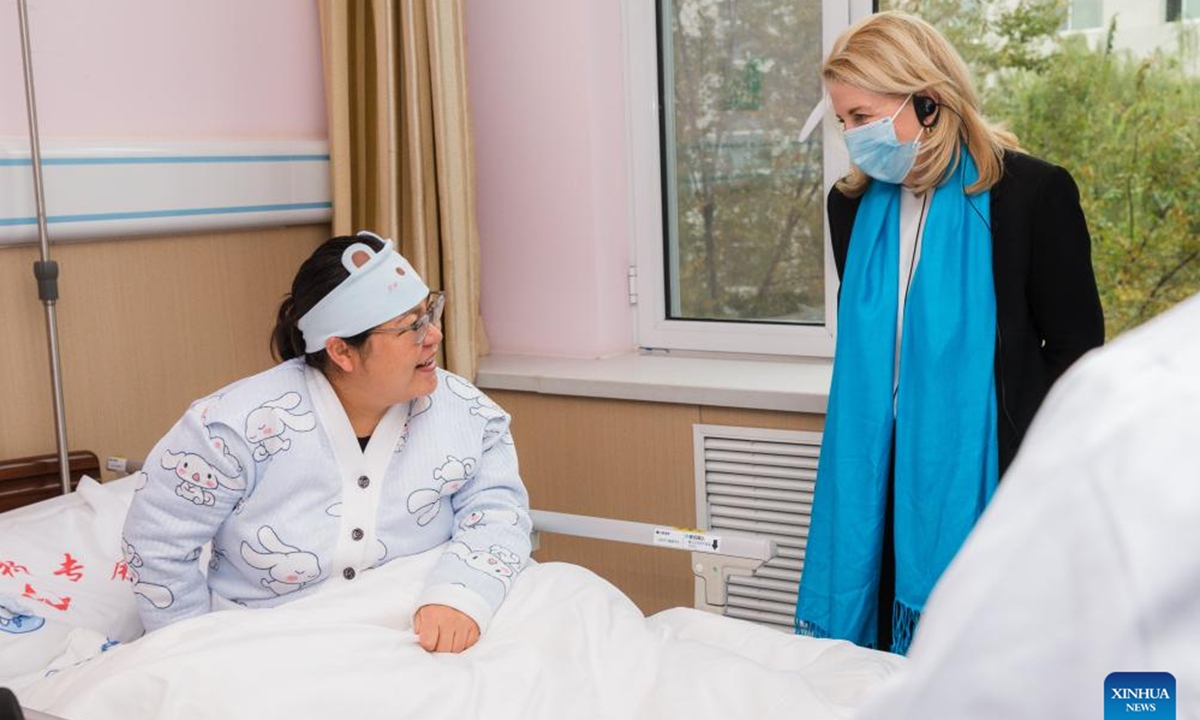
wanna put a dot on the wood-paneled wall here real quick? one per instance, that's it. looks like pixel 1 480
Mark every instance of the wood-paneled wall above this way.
pixel 146 326
pixel 626 460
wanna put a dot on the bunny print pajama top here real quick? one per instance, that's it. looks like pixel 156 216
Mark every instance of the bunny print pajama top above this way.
pixel 270 471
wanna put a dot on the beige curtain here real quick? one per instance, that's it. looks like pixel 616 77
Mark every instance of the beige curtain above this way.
pixel 401 151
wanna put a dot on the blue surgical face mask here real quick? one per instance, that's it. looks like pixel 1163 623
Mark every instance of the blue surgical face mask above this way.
pixel 876 150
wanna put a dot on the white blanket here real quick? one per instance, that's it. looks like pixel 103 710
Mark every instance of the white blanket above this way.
pixel 565 644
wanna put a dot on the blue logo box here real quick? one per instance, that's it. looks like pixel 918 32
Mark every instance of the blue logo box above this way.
pixel 1139 694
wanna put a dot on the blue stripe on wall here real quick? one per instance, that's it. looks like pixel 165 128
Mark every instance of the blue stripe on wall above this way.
pixel 184 212
pixel 165 160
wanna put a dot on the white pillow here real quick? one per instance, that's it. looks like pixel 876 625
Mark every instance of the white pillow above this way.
pixel 61 570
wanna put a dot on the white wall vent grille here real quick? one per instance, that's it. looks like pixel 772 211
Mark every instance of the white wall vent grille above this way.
pixel 761 482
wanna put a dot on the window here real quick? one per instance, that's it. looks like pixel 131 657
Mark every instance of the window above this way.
pixel 1085 14
pixel 729 201
pixel 1183 10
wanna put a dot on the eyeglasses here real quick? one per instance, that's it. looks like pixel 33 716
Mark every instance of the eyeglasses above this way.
pixel 420 328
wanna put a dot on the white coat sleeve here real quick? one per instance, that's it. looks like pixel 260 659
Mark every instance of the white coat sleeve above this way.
pixel 1077 568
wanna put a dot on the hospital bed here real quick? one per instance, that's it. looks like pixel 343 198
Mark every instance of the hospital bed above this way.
pixel 565 644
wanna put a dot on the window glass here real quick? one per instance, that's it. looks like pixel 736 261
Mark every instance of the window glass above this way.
pixel 743 196
pixel 1084 15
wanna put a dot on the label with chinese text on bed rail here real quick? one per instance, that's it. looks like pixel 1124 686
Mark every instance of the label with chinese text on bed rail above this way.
pixel 687 539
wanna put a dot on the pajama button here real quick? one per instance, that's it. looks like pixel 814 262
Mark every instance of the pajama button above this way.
pixel 364 481
pixel 356 534
pixel 348 573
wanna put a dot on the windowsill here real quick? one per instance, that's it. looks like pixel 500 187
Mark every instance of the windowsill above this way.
pixel 790 386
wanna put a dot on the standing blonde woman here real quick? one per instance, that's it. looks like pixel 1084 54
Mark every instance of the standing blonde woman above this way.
pixel 967 289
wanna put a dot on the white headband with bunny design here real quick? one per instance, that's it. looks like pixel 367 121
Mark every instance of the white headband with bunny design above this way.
pixel 382 285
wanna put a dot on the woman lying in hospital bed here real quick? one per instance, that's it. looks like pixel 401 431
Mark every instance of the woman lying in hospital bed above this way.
pixel 357 453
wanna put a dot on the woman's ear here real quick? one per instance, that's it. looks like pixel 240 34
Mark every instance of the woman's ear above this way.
pixel 341 354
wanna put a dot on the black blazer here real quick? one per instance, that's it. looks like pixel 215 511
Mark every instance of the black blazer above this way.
pixel 1047 306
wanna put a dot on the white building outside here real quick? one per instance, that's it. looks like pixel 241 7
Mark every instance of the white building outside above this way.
pixel 1142 26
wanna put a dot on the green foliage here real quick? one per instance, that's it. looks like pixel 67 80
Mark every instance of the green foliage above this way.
pixel 1127 128
pixel 744 92
pixel 993 35
pixel 1026 31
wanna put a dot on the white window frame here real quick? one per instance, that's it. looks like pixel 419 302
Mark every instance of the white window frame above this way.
pixel 647 286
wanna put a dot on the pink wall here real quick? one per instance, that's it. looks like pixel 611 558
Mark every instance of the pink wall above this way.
pixel 169 69
pixel 548 109
pixel 548 106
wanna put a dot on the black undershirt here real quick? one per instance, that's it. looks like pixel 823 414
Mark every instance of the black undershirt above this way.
pixel 362 442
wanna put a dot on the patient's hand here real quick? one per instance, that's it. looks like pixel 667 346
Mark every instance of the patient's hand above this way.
pixel 441 628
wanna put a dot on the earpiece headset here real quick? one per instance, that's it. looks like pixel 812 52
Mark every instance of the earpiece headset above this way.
pixel 926 109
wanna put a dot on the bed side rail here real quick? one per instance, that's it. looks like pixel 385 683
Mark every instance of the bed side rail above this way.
pixel 715 556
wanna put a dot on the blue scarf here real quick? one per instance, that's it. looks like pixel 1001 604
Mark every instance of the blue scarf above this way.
pixel 945 414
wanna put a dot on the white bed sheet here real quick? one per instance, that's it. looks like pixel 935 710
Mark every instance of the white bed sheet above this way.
pixel 566 644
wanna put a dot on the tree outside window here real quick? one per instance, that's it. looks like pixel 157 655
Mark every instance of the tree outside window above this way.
pixel 1124 122
pixel 744 195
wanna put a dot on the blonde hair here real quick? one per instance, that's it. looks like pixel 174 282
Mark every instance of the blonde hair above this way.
pixel 894 53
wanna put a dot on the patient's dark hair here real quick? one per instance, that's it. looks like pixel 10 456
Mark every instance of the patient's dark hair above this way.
pixel 316 278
